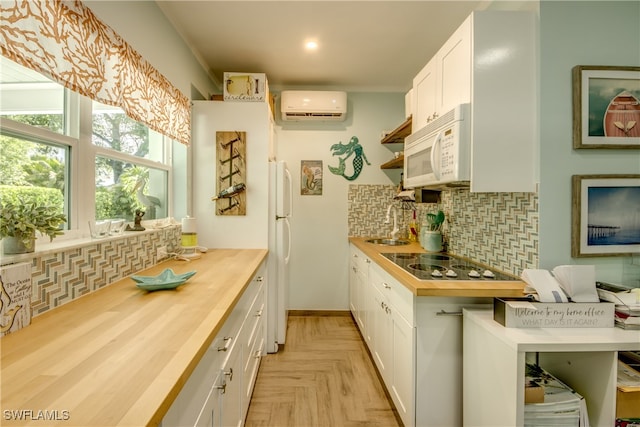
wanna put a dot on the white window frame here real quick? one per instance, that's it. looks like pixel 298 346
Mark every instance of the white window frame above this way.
pixel 82 159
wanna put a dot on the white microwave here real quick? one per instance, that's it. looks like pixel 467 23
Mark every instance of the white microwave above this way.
pixel 439 154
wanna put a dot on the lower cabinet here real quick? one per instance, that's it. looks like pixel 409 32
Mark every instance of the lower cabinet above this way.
pixel 358 277
pixel 416 345
pixel 392 338
pixel 439 359
pixel 219 390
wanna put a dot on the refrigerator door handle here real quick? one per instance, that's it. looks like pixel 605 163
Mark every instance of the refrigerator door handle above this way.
pixel 290 185
pixel 288 226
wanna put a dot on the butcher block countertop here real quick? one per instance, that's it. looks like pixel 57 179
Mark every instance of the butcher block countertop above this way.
pixel 119 356
pixel 451 288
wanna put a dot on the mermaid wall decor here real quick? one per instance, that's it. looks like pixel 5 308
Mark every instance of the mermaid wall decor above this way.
pixel 346 151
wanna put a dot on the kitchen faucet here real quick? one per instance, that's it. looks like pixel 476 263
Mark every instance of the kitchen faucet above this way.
pixel 396 231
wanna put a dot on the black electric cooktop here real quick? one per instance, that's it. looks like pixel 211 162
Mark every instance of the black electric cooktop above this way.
pixel 426 266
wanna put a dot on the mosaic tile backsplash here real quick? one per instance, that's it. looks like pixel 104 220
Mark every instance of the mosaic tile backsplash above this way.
pixel 498 229
pixel 63 276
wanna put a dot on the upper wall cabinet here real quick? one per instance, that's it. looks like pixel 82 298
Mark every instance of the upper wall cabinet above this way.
pixel 489 62
pixel 446 80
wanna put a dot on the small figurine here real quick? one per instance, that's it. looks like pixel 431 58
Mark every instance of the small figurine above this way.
pixel 136 222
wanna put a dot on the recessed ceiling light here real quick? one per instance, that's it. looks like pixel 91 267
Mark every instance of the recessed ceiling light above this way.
pixel 311 45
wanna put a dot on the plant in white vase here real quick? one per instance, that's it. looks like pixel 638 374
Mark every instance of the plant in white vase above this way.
pixel 431 234
pixel 20 221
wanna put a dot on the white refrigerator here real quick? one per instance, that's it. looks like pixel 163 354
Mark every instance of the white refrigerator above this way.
pixel 280 211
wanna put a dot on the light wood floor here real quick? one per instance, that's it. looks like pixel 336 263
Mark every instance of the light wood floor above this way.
pixel 323 377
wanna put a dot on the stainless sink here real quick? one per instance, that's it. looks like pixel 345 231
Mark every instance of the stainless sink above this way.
pixel 388 242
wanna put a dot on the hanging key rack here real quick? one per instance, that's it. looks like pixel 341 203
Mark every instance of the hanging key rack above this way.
pixel 231 151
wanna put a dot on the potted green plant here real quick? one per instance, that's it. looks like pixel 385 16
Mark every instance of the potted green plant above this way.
pixel 431 233
pixel 20 221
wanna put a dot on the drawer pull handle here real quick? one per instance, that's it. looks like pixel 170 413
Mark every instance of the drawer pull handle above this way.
pixel 257 355
pixel 259 279
pixel 229 374
pixel 258 313
pixel 386 285
pixel 222 387
pixel 227 344
pixel 448 313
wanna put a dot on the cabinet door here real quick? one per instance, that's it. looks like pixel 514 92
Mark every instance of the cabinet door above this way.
pixel 403 383
pixel 353 288
pixel 369 309
pixel 424 95
pixel 231 395
pixel 382 335
pixel 361 282
pixel 210 413
pixel 454 70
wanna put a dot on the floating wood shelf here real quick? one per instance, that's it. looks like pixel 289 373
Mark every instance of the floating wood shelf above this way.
pixel 398 135
pixel 397 163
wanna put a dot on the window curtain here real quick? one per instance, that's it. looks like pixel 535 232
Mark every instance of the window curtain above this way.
pixel 67 42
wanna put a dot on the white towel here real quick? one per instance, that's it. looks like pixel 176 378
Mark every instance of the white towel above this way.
pixel 578 281
pixel 545 284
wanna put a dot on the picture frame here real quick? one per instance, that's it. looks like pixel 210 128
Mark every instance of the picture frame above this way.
pixel 606 107
pixel 311 177
pixel 605 215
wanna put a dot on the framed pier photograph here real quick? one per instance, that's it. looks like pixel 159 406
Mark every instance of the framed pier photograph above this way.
pixel 605 215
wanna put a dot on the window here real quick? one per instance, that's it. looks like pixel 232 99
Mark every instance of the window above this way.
pixel 124 183
pixel 43 156
pixel 34 162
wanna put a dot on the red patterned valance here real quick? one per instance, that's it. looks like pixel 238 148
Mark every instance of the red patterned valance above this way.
pixel 67 42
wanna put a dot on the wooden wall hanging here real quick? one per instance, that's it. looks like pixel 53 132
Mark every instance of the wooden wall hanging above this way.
pixel 231 151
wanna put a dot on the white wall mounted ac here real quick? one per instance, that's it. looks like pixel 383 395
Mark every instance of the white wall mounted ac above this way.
pixel 299 105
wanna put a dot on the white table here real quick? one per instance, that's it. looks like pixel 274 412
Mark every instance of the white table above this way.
pixel 494 367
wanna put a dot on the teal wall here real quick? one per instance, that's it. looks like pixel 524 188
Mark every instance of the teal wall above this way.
pixel 579 33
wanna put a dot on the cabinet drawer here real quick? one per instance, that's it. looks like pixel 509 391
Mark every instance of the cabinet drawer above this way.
pixel 398 295
pixel 253 329
pixel 359 261
pixel 251 368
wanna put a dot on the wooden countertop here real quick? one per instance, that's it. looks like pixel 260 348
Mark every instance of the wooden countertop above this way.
pixel 120 355
pixel 457 288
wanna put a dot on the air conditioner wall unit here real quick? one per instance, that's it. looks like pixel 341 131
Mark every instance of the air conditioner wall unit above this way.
pixel 300 105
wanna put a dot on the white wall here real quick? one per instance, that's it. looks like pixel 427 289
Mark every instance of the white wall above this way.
pixel 231 231
pixel 320 249
pixel 578 33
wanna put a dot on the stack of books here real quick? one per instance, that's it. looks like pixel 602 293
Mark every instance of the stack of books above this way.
pixel 627 304
pixel 558 405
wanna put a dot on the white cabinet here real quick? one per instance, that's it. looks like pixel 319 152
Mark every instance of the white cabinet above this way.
pixel 489 62
pixel 358 278
pixel 446 79
pixel 219 390
pixel 424 96
pixel 230 389
pixel 416 345
pixel 392 342
pixel 439 359
pixel 494 367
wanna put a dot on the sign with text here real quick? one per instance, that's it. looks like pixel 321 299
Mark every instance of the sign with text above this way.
pixel 15 297
pixel 527 314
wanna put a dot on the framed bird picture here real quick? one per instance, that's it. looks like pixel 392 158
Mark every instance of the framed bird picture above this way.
pixel 606 107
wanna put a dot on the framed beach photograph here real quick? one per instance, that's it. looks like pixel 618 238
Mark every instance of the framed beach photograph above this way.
pixel 606 107
pixel 605 215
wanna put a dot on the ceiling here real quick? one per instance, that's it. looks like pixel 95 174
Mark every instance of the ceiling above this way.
pixel 363 45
